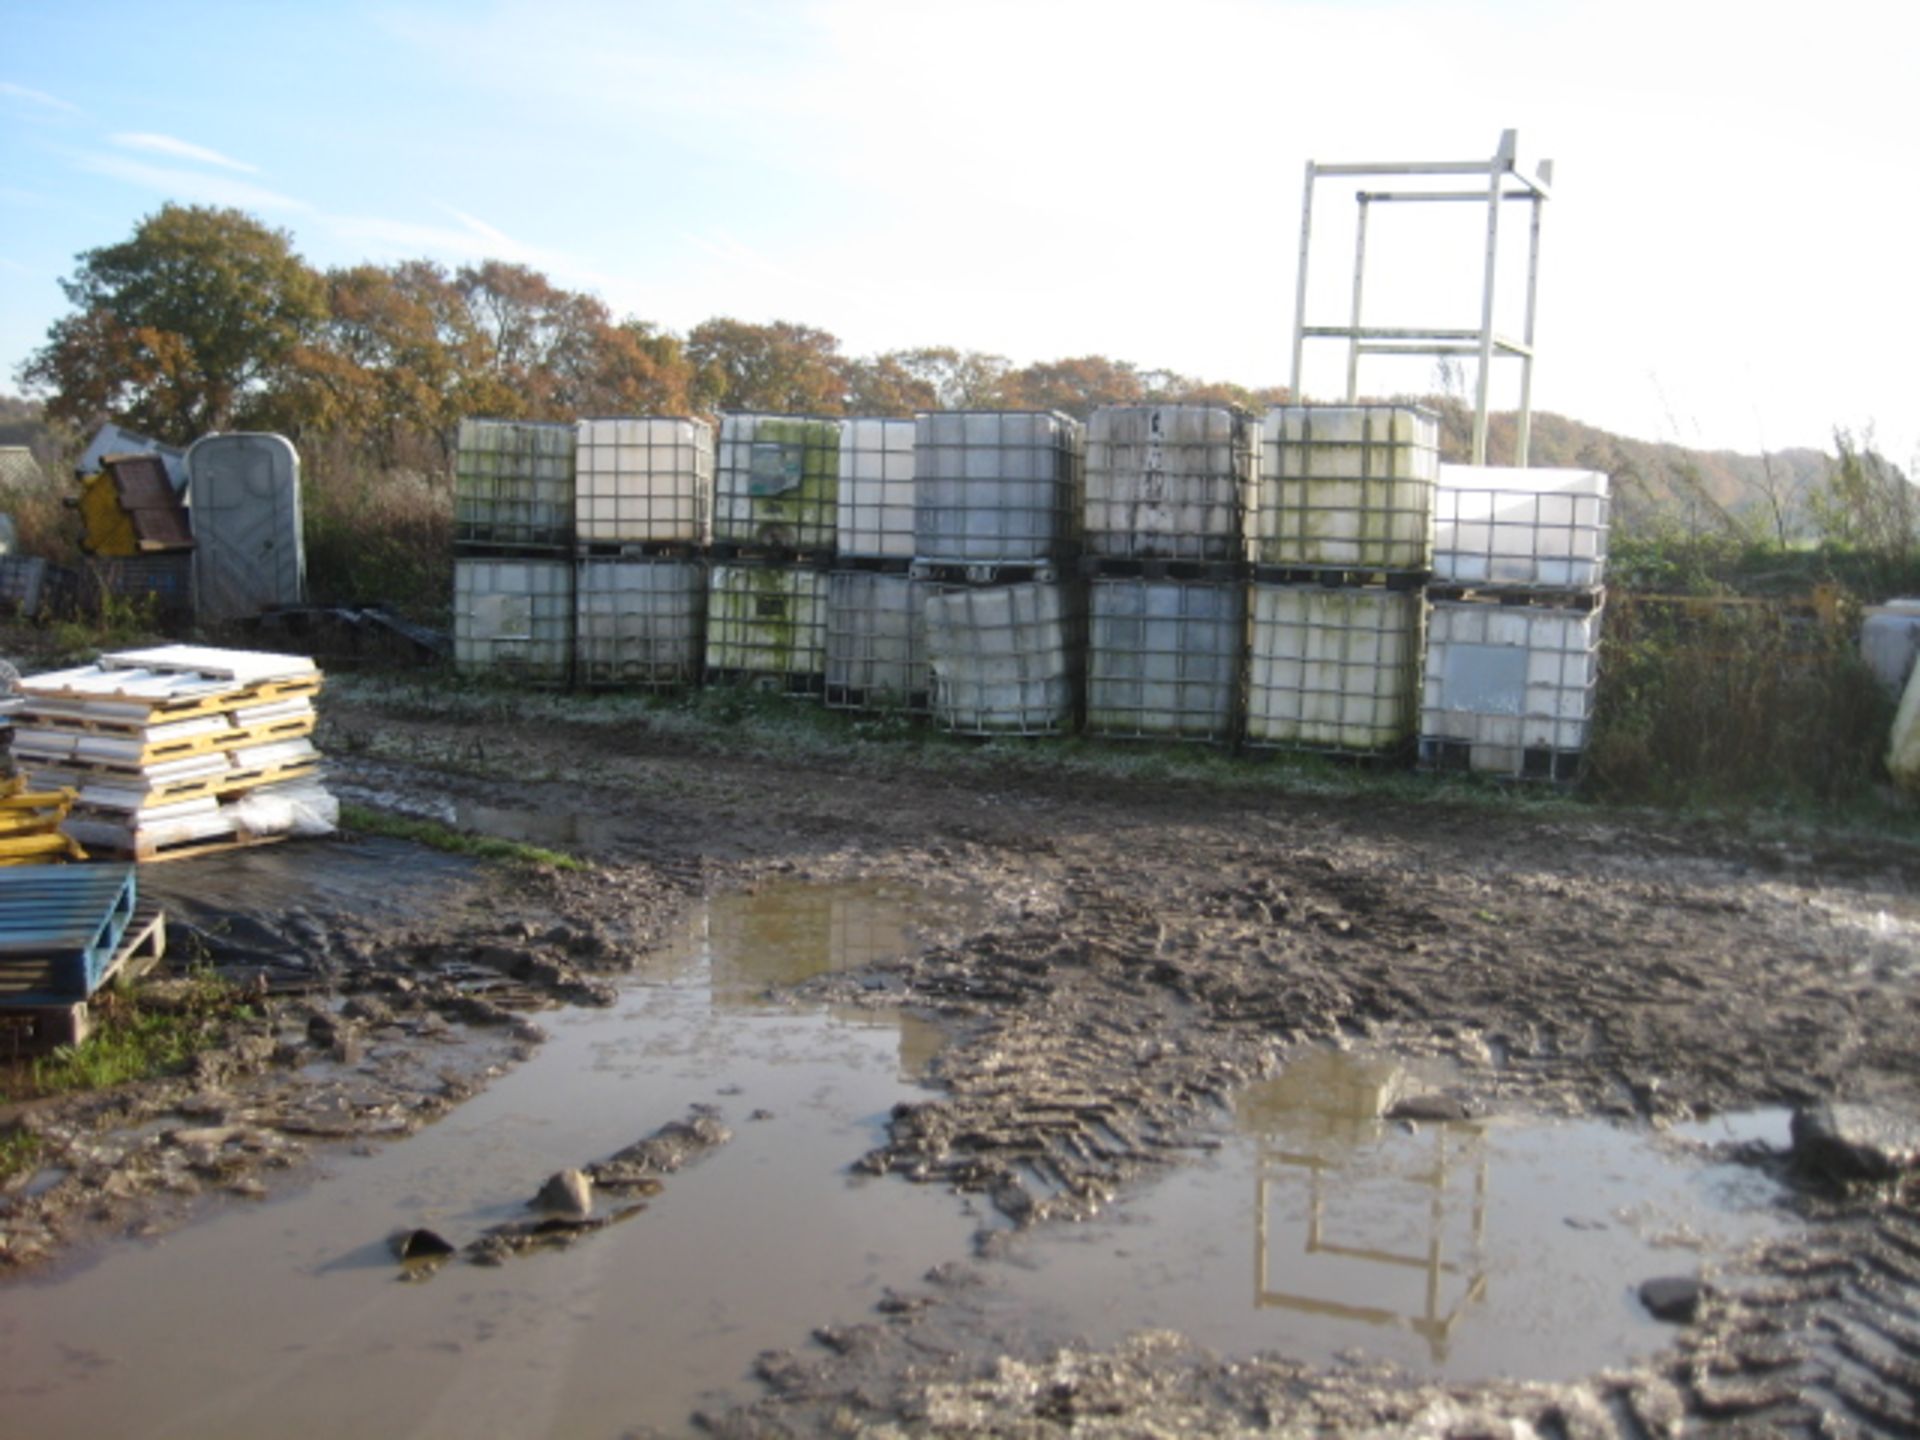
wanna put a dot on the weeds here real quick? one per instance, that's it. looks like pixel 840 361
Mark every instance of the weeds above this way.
pixel 436 836
pixel 19 1154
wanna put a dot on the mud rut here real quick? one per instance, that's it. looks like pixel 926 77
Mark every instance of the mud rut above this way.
pixel 1154 946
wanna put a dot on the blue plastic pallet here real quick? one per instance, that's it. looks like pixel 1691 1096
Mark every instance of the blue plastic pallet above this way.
pixel 60 926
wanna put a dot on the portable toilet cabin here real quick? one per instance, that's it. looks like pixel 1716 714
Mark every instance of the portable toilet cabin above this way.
pixel 248 555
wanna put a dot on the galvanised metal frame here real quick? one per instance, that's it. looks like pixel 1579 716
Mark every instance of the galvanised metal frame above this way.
pixel 1403 340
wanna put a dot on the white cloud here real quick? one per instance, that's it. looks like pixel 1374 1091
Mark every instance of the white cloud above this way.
pixel 194 185
pixel 181 150
pixel 38 97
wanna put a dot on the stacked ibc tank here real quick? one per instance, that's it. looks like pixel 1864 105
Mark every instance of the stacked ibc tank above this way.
pixel 643 489
pixel 997 510
pixel 1167 491
pixel 1342 546
pixel 876 607
pixel 1513 642
pixel 513 567
pixel 775 526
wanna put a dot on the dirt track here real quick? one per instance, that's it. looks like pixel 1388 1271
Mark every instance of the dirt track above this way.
pixel 1152 946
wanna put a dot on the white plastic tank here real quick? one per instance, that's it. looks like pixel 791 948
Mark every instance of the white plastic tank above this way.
pixel 876 641
pixel 1347 487
pixel 767 624
pixel 776 482
pixel 1890 641
pixel 996 486
pixel 513 617
pixel 1168 481
pixel 1005 659
pixel 248 552
pixel 876 488
pixel 513 484
pixel 1495 526
pixel 640 623
pixel 642 480
pixel 1335 669
pixel 1163 658
pixel 1509 688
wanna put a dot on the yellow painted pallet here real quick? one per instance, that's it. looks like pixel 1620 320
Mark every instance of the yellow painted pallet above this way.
pixel 39 849
pixel 32 1029
pixel 191 706
pixel 292 727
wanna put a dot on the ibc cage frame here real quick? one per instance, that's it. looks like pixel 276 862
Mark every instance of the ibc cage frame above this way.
pixel 690 524
pixel 1504 183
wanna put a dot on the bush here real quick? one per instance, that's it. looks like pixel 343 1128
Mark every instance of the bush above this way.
pixel 379 537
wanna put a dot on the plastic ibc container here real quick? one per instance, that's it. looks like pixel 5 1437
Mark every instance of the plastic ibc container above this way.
pixel 646 480
pixel 640 623
pixel 767 624
pixel 1168 482
pixel 1498 527
pixel 513 617
pixel 1163 658
pixel 996 486
pixel 1005 659
pixel 1509 689
pixel 876 641
pixel 876 489
pixel 1333 669
pixel 1347 487
pixel 776 482
pixel 513 484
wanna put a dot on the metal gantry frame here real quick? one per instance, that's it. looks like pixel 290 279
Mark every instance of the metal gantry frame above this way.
pixel 1505 183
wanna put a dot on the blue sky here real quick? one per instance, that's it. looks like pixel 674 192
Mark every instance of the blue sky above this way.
pixel 1728 259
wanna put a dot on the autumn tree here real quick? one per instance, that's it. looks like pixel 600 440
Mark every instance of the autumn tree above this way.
pixel 182 329
pixel 779 367
pixel 1077 386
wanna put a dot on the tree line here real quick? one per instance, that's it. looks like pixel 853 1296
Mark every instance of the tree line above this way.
pixel 206 319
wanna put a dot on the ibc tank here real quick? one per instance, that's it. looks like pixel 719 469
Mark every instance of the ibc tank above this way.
pixel 996 486
pixel 876 489
pixel 642 480
pixel 876 641
pixel 248 555
pixel 1347 487
pixel 1168 481
pixel 1509 688
pixel 640 622
pixel 767 623
pixel 513 484
pixel 513 617
pixel 1005 659
pixel 1890 641
pixel 1520 529
pixel 776 482
pixel 1163 658
pixel 1333 669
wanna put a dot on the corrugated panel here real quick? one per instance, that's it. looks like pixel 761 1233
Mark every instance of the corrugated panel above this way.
pixel 146 494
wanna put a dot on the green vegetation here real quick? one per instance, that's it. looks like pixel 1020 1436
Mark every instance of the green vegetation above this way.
pixel 19 1154
pixel 434 835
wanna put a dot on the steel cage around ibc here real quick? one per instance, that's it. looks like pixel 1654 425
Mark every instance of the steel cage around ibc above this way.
pixel 1482 343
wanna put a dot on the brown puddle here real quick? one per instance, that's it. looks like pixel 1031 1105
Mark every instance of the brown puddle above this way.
pixel 285 1320
pixel 1466 1250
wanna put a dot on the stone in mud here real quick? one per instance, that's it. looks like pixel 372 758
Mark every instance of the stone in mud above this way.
pixel 674 1145
pixel 412 1246
pixel 567 1192
pixel 1673 1298
pixel 1848 1142
pixel 1430 1108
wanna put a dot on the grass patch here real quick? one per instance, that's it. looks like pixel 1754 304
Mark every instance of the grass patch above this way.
pixel 436 836
pixel 19 1153
pixel 136 1036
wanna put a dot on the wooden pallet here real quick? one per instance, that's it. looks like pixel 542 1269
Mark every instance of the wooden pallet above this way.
pixel 53 705
pixel 36 1029
pixel 144 850
pixel 60 926
pixel 160 752
pixel 227 785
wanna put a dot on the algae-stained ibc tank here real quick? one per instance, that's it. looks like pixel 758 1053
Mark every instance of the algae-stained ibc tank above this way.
pixel 640 623
pixel 1347 487
pixel 1334 668
pixel 643 480
pixel 514 617
pixel 1169 481
pixel 1005 659
pixel 776 483
pixel 1163 658
pixel 1541 529
pixel 876 489
pixel 767 625
pixel 876 641
pixel 1509 688
pixel 513 484
pixel 997 486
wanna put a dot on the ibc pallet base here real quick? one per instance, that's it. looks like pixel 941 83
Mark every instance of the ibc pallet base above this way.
pixel 1580 601
pixel 878 702
pixel 1334 579
pixel 988 572
pixel 1107 567
pixel 1535 763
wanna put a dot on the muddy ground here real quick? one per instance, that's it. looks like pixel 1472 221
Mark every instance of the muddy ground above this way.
pixel 1150 946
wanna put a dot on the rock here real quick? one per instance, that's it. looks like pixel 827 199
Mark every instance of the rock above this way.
pixel 1673 1298
pixel 1848 1142
pixel 567 1192
pixel 410 1246
pixel 1430 1107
